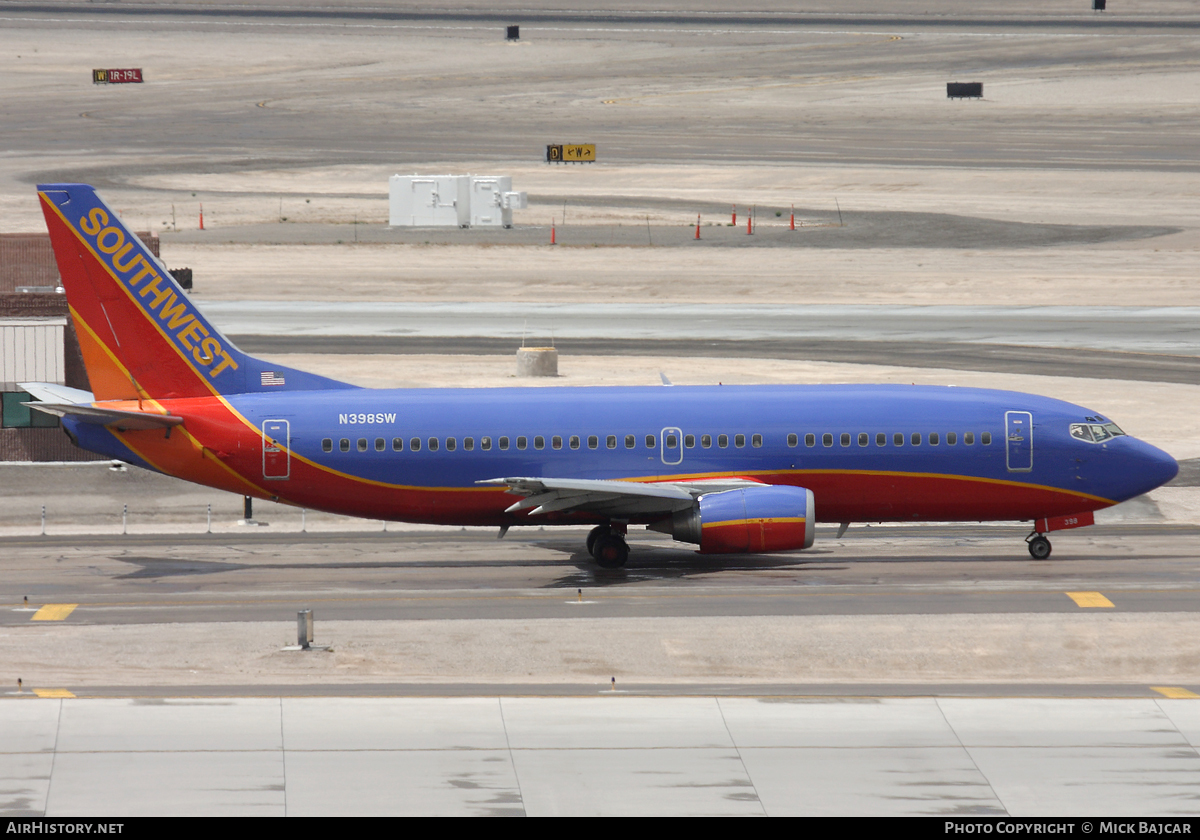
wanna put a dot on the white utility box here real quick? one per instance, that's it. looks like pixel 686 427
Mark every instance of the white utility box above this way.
pixel 448 200
pixel 429 201
pixel 487 201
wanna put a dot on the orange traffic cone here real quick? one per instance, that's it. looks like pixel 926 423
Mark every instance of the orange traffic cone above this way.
pixel 697 225
pixel 201 217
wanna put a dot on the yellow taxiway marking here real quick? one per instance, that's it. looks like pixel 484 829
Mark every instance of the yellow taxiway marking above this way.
pixel 53 612
pixel 1089 599
pixel 1174 692
pixel 52 692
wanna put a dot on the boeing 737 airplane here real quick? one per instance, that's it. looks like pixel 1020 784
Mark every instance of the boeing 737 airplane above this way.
pixel 732 469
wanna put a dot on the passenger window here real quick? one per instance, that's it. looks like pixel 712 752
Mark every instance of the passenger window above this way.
pixel 502 442
pixel 485 443
pixel 880 439
pixel 414 445
pixel 380 444
pixel 845 438
pixel 739 441
pixel 689 441
pixel 593 441
pixel 915 439
pixel 986 438
pixel 969 438
pixel 933 439
pixel 327 445
pixel 539 442
pixel 756 440
pixel 362 444
pixel 397 444
pixel 951 438
pixel 433 444
pixel 521 442
pixel 898 439
pixel 650 441
pixel 706 441
pixel 344 444
pixel 793 439
pixel 630 441
pixel 827 439
pixel 451 444
pixel 671 442
pixel 556 442
pixel 468 444
pixel 722 441
pixel 611 441
pixel 810 439
pixel 574 441
pixel 863 439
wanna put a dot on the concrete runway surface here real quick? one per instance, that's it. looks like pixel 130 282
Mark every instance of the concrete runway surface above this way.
pixel 1050 228
pixel 610 755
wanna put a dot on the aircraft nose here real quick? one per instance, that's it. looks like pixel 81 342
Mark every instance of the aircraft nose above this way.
pixel 1154 468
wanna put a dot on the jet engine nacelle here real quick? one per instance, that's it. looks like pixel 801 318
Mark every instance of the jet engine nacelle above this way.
pixel 750 519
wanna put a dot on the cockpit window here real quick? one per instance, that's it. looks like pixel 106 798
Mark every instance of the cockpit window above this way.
pixel 1095 432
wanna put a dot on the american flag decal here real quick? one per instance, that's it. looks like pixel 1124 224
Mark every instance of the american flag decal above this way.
pixel 269 378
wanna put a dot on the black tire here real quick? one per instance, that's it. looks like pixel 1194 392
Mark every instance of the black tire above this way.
pixel 594 535
pixel 611 551
pixel 1039 548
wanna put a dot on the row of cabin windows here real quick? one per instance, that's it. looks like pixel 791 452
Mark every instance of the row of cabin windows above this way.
pixel 433 444
pixel 671 441
pixel 881 439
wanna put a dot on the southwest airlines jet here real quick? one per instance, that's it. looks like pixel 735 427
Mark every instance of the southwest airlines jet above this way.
pixel 731 469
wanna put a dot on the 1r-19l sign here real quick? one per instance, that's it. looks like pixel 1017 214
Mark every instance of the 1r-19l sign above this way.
pixel 117 77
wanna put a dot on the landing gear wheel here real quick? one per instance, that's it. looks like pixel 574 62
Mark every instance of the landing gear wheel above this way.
pixel 610 551
pixel 1039 547
pixel 595 534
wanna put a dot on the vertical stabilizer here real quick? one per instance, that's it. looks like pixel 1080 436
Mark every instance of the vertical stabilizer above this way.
pixel 140 334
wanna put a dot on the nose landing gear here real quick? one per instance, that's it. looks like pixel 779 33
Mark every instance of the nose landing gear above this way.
pixel 1039 546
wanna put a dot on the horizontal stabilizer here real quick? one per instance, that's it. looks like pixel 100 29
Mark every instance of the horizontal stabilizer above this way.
pixel 123 420
pixel 52 392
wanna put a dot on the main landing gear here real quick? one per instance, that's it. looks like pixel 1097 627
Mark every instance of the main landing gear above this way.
pixel 1039 546
pixel 608 546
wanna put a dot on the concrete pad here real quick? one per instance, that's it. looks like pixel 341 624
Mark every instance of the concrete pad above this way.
pixel 29 727
pixel 1185 715
pixel 1033 722
pixel 24 783
pixel 614 722
pixel 1085 781
pixel 851 722
pixel 451 723
pixel 173 725
pixel 870 781
pixel 635 782
pixel 170 783
pixel 449 782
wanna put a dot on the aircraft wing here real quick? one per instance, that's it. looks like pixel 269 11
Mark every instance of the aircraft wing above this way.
pixel 610 498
